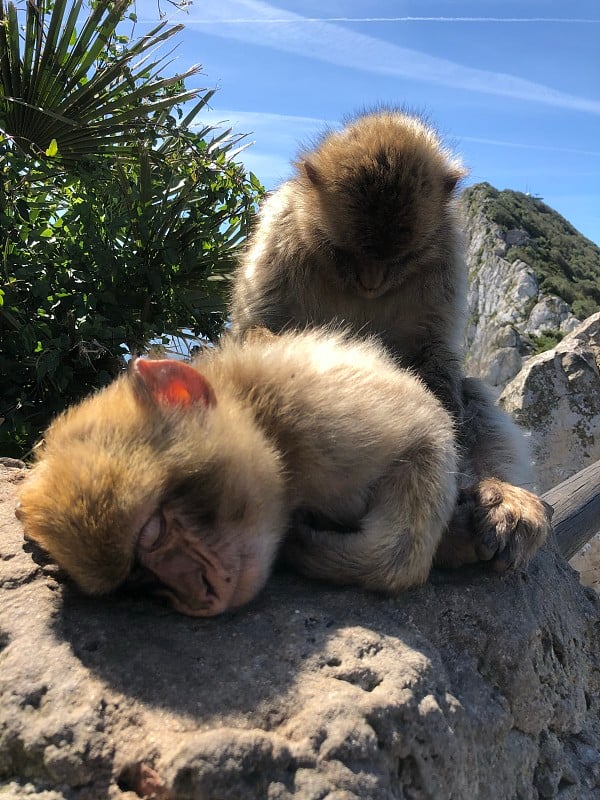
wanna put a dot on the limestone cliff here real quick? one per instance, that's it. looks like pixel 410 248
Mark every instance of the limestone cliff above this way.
pixel 556 398
pixel 532 277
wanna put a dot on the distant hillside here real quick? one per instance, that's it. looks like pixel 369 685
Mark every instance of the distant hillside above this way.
pixel 565 263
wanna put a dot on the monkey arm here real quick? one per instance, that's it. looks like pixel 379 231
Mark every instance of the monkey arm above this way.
pixel 440 368
pixel 496 519
pixel 398 536
pixel 261 306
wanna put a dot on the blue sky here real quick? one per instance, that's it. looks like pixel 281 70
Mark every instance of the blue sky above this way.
pixel 513 86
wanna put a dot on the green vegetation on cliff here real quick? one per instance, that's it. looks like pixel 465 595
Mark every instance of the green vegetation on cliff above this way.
pixel 565 262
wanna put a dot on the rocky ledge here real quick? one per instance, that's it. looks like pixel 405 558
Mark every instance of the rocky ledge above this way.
pixel 473 686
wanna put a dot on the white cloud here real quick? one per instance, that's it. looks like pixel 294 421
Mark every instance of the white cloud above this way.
pixel 283 133
pixel 251 120
pixel 338 45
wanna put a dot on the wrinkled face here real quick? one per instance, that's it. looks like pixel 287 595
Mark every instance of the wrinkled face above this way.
pixel 144 480
pixel 201 559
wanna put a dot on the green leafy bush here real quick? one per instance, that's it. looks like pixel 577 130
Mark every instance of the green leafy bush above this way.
pixel 546 340
pixel 118 223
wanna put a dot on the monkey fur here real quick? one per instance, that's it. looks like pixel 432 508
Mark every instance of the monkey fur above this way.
pixel 195 474
pixel 367 235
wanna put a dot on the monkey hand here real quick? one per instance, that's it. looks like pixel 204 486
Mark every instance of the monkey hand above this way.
pixel 496 522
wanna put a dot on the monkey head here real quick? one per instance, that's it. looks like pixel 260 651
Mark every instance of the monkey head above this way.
pixel 379 191
pixel 157 474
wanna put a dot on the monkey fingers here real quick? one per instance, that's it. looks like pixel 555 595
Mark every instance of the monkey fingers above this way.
pixel 512 522
pixel 496 522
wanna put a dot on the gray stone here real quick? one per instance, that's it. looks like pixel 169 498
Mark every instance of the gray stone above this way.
pixel 516 237
pixel 505 303
pixel 556 397
pixel 550 313
pixel 472 687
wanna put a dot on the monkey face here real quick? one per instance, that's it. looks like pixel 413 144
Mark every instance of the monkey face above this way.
pixel 381 187
pixel 198 550
pixel 147 473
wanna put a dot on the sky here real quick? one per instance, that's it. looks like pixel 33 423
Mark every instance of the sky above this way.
pixel 513 86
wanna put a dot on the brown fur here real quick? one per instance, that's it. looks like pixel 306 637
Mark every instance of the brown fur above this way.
pixel 289 426
pixel 367 235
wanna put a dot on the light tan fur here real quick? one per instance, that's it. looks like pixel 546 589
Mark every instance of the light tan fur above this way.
pixel 301 424
pixel 367 235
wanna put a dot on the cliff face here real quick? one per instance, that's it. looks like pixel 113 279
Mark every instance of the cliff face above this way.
pixel 512 315
pixel 556 398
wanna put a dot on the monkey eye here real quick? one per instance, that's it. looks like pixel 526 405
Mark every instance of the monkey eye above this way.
pixel 153 532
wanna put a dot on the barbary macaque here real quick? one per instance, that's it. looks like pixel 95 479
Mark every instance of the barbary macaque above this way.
pixel 366 235
pixel 193 475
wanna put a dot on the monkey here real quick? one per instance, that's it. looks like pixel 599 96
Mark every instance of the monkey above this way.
pixel 193 477
pixel 366 234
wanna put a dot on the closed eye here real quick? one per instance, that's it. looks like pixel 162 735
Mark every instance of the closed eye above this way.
pixel 153 533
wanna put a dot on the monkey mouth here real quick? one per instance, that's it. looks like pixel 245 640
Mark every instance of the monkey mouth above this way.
pixel 208 604
pixel 371 280
pixel 371 292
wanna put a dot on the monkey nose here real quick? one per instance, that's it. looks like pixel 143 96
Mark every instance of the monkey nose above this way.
pixel 371 277
pixel 19 511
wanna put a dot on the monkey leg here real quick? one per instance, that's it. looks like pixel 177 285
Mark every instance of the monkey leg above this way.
pixel 497 522
pixel 397 538
pixel 494 520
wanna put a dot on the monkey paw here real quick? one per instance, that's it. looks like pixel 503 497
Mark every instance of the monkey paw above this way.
pixel 496 522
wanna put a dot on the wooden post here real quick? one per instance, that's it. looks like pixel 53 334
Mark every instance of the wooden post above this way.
pixel 576 504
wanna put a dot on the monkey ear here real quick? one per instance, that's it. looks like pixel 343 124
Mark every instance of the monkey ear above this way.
pixel 312 173
pixel 455 174
pixel 172 383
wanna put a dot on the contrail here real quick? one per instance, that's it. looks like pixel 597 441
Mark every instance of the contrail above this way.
pixel 302 20
pixel 524 146
pixel 345 46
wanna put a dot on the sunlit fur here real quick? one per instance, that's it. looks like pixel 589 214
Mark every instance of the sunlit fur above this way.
pixel 107 464
pixel 367 235
pixel 308 423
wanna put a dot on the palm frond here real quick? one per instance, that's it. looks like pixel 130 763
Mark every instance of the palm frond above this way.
pixel 53 85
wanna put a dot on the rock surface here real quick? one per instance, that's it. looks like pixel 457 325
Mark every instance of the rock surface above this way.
pixel 506 306
pixel 556 396
pixel 471 687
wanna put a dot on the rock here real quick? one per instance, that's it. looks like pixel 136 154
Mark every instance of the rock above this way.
pixel 550 313
pixel 516 237
pixel 473 686
pixel 556 397
pixel 587 563
pixel 506 306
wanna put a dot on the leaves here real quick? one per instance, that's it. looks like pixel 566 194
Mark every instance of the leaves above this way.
pixel 52 149
pixel 66 82
pixel 111 240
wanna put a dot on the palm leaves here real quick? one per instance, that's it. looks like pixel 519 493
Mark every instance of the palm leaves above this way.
pixel 119 217
pixel 59 93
